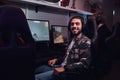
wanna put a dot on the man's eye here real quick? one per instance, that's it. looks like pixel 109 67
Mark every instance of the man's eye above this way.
pixel 77 23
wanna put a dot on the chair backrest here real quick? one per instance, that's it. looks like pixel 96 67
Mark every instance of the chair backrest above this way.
pixel 16 45
pixel 90 29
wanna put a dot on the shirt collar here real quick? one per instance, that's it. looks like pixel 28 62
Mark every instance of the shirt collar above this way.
pixel 78 36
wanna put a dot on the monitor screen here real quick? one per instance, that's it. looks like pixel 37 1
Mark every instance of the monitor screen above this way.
pixel 60 34
pixel 39 29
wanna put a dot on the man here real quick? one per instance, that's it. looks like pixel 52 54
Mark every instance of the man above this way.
pixel 77 57
pixel 102 33
pixel 99 47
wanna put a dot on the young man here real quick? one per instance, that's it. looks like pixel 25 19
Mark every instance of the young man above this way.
pixel 77 57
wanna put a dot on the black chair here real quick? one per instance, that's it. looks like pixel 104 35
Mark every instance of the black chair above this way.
pixel 16 45
pixel 90 29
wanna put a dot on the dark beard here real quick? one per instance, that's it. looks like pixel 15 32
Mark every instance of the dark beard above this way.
pixel 77 33
pixel 73 35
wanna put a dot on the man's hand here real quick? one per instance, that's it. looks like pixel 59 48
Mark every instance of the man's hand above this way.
pixel 58 70
pixel 52 62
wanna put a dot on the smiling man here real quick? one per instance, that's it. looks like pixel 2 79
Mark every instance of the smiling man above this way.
pixel 77 58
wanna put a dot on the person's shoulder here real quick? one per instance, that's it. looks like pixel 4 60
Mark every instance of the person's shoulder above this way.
pixel 86 39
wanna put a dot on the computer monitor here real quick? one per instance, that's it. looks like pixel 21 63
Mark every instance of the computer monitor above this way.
pixel 39 29
pixel 60 34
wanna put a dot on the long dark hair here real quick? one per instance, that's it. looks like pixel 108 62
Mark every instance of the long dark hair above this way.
pixel 69 24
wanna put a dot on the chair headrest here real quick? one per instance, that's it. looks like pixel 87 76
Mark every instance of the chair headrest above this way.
pixel 13 22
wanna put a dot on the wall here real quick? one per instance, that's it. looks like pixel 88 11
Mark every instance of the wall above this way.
pixel 43 14
pixel 116 8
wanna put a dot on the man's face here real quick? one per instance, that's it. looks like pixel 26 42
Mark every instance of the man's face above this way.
pixel 76 26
